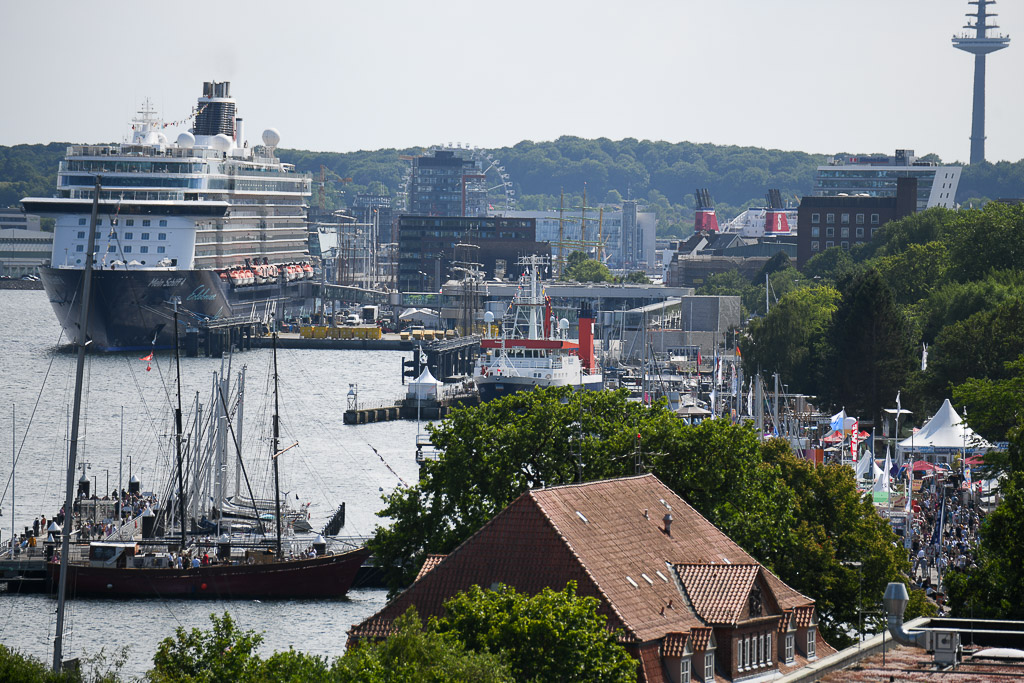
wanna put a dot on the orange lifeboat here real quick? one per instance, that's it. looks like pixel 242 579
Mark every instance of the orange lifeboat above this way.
pixel 236 277
pixel 307 271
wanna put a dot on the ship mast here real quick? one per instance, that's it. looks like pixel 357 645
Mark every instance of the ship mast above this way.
pixel 76 411
pixel 177 430
pixel 275 446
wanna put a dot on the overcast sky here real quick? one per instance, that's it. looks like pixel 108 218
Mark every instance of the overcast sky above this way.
pixel 813 75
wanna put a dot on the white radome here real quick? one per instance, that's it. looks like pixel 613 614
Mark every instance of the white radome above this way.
pixel 271 138
pixel 221 142
pixel 186 140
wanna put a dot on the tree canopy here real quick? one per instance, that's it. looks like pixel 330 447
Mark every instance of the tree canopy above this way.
pixel 492 453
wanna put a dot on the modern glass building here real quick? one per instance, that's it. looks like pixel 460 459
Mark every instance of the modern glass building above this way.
pixel 876 176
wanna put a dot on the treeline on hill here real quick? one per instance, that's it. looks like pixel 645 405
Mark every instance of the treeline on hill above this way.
pixel 662 175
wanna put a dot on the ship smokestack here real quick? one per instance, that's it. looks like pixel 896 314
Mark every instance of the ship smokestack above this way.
pixel 705 219
pixel 775 220
pixel 216 110
pixel 586 325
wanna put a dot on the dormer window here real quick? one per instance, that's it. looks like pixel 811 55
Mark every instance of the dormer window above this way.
pixel 811 643
pixel 684 670
pixel 790 647
pixel 709 666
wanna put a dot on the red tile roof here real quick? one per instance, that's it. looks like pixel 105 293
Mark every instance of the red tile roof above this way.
pixel 428 564
pixel 608 536
pixel 674 644
pixel 718 592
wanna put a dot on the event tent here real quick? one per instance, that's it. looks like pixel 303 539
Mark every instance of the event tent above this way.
pixel 944 435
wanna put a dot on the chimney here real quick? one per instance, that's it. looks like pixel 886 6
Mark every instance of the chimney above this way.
pixel 906 197
pixel 668 523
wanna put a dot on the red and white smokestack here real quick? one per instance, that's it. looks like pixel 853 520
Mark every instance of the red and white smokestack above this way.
pixel 775 222
pixel 586 324
pixel 704 219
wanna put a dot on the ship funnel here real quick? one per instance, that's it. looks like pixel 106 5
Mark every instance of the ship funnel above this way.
pixel 215 114
pixel 705 219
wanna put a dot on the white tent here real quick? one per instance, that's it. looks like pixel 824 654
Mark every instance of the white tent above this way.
pixel 424 386
pixel 867 468
pixel 945 433
pixel 882 478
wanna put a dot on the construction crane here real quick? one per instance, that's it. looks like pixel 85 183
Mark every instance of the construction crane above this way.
pixel 321 195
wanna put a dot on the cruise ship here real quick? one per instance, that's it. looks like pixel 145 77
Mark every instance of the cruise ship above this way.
pixel 533 348
pixel 206 221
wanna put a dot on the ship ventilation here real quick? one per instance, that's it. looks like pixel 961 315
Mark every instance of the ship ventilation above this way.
pixel 216 110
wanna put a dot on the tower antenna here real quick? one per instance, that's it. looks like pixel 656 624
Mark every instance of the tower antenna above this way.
pixel 979 44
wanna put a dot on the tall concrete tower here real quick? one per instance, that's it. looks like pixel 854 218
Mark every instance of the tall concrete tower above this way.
pixel 979 44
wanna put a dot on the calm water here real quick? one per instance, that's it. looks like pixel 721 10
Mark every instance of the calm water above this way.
pixel 333 463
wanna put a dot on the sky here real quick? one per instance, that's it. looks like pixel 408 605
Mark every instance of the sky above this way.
pixel 823 76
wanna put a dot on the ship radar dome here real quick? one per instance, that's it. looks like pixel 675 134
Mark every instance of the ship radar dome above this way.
pixel 186 140
pixel 489 317
pixel 221 142
pixel 563 324
pixel 271 138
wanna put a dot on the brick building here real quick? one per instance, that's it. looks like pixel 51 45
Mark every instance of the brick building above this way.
pixel 690 604
pixel 827 222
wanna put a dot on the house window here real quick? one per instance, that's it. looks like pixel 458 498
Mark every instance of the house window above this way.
pixel 810 643
pixel 684 670
pixel 844 232
pixel 815 231
pixel 846 245
pixel 845 219
pixel 747 655
pixel 874 219
pixel 111 249
pixel 709 667
pixel 829 244
pixel 873 231
pixel 830 231
pixel 163 223
pixel 81 234
pixel 81 221
pixel 830 218
pixel 760 650
pixel 739 655
pixel 128 235
pixel 145 222
pixel 161 250
pixel 145 235
pixel 128 249
pixel 860 219
pixel 161 235
pixel 80 247
pixel 790 646
pixel 768 648
pixel 814 245
pixel 815 218
pixel 860 232
pixel 99 222
pixel 143 250
pixel 130 222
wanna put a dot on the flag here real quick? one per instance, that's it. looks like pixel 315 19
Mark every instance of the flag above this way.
pixel 750 398
pixel 883 479
pixel 937 534
pixel 148 359
pixel 924 357
pixel 897 404
pixel 714 401
pixel 838 421
pixel 967 475
pixel 738 354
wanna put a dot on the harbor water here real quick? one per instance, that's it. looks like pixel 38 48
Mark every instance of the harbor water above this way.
pixel 332 463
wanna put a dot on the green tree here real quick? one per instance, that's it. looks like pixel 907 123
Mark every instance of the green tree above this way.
pixel 985 240
pixel 831 265
pixel 412 655
pixel 637 277
pixel 870 350
pixel 791 339
pixel 551 636
pixel 494 452
pixel 223 653
pixel 994 406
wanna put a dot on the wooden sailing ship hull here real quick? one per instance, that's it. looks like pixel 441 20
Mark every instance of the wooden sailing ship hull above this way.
pixel 329 576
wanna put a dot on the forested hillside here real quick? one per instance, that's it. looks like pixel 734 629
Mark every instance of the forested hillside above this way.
pixel 662 175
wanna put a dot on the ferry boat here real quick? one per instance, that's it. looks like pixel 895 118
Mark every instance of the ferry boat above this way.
pixel 533 349
pixel 206 220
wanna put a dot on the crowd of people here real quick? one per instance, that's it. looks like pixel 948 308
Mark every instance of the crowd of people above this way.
pixel 944 535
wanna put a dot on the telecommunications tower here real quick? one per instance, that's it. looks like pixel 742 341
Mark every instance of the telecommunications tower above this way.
pixel 980 43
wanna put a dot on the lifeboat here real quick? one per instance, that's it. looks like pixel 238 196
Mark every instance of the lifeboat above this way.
pixel 249 277
pixel 307 271
pixel 261 274
pixel 272 273
pixel 224 275
pixel 236 277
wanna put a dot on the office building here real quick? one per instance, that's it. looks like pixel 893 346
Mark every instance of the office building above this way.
pixel 23 245
pixel 876 176
pixel 427 244
pixel 845 221
pixel 444 183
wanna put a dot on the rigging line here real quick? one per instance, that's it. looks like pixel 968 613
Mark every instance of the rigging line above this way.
pixel 390 469
pixel 241 462
pixel 28 427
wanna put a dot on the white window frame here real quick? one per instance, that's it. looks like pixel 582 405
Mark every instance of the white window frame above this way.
pixel 760 650
pixel 684 670
pixel 709 667
pixel 811 643
pixel 790 647
pixel 768 647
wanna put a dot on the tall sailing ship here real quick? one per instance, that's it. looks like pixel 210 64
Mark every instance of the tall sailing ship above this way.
pixel 206 219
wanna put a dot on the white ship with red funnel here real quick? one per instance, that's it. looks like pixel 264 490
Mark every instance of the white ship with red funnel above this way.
pixel 533 349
